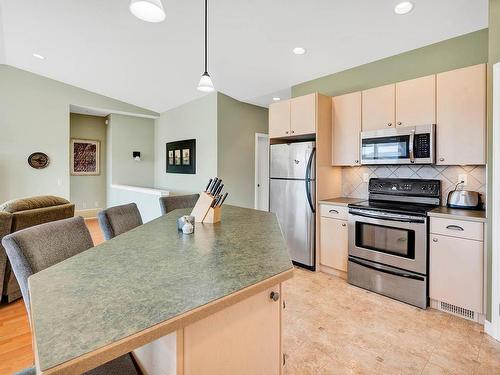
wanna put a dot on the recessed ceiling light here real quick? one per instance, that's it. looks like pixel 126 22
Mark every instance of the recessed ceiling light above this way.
pixel 276 99
pixel 38 56
pixel 403 7
pixel 299 50
pixel 147 10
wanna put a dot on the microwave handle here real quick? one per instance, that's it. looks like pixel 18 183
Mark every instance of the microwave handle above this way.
pixel 410 149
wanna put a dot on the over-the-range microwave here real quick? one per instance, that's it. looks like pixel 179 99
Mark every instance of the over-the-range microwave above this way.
pixel 405 145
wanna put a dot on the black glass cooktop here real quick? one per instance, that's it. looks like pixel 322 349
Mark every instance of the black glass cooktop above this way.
pixel 396 207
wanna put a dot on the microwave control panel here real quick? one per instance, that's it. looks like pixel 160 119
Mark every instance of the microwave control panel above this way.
pixel 422 145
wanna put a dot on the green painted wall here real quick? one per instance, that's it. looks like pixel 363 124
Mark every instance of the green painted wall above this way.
pixel 88 192
pixel 465 50
pixel 128 134
pixel 34 116
pixel 493 58
pixel 196 119
pixel 237 124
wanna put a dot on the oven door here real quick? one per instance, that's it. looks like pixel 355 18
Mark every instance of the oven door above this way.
pixel 392 239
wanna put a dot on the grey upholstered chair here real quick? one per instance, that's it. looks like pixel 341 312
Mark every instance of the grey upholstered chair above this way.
pixel 34 249
pixel 174 202
pixel 119 219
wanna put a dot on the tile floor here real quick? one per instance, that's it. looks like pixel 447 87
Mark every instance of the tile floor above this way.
pixel 331 327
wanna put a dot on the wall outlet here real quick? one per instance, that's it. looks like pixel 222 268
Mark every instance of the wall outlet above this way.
pixel 462 177
pixel 59 182
pixel 366 177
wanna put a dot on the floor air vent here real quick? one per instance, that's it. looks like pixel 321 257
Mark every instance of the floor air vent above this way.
pixel 457 310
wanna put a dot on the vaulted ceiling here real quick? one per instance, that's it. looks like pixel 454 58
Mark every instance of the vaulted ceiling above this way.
pixel 99 46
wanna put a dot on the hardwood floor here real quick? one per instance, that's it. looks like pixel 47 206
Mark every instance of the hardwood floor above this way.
pixel 332 327
pixel 15 333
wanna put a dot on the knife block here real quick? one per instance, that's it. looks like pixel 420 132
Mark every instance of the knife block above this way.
pixel 202 207
pixel 213 215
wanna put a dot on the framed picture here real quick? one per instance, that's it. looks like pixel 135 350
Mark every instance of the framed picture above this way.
pixel 181 157
pixel 85 157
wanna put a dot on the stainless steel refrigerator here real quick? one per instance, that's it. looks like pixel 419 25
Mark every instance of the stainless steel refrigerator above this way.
pixel 292 197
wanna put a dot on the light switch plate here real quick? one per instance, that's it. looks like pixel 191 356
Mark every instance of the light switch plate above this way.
pixel 366 177
pixel 462 177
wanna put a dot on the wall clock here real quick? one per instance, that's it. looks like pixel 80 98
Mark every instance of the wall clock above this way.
pixel 38 160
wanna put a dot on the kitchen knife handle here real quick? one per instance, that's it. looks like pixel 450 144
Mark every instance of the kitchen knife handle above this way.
pixel 223 199
pixel 209 183
pixel 219 189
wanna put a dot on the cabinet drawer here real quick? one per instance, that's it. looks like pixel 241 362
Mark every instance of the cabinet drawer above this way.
pixel 335 212
pixel 457 228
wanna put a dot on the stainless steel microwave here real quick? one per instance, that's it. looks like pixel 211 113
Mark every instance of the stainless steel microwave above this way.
pixel 405 145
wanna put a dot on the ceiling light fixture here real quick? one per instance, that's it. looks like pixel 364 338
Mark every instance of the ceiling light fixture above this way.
pixel 299 50
pixel 276 99
pixel 205 83
pixel 403 7
pixel 38 56
pixel 147 10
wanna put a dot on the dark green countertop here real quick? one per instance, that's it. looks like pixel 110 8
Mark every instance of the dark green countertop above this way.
pixel 147 276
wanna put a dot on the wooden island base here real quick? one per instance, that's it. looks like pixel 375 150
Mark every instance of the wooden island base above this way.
pixel 244 338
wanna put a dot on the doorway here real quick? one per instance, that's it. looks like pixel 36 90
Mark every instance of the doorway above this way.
pixel 261 172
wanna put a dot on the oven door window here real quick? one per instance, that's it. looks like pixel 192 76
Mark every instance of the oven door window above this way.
pixel 397 147
pixel 384 239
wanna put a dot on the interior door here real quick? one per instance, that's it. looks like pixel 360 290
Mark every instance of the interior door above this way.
pixel 262 172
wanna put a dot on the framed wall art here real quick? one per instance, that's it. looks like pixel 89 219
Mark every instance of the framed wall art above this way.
pixel 181 157
pixel 85 157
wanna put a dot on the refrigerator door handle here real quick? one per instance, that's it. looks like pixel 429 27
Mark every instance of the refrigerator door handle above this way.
pixel 308 180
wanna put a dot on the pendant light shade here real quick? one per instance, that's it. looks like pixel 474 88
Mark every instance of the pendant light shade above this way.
pixel 205 83
pixel 148 10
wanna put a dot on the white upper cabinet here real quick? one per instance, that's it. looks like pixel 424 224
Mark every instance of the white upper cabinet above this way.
pixel 279 119
pixel 346 129
pixel 416 101
pixel 378 108
pixel 461 116
pixel 303 115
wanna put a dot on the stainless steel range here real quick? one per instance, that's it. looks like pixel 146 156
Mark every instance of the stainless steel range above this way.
pixel 388 238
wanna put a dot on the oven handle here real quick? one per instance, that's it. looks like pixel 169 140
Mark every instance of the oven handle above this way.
pixel 403 220
pixel 384 270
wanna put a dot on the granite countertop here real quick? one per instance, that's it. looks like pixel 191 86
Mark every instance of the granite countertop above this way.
pixel 459 214
pixel 341 201
pixel 147 276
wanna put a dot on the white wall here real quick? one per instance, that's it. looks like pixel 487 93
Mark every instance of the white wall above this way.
pixel 196 119
pixel 34 116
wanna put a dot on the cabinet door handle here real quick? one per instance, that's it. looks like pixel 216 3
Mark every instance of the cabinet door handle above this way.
pixel 455 227
pixel 441 159
pixel 434 240
pixel 356 161
pixel 286 132
pixel 333 211
pixel 293 131
pixel 343 224
pixel 400 123
pixel 274 296
pixel 389 124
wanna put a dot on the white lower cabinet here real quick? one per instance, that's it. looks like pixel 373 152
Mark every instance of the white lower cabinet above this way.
pixel 456 271
pixel 333 243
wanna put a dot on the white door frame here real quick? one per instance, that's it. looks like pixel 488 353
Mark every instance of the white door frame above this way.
pixel 493 327
pixel 258 136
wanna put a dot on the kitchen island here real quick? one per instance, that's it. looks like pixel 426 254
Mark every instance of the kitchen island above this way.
pixel 206 303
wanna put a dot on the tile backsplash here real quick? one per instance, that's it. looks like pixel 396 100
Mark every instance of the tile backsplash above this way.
pixel 353 185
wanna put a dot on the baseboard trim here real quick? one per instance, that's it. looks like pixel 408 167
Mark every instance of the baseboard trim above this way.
pixel 88 214
pixel 333 272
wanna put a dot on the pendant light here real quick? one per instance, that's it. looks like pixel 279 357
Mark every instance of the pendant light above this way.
pixel 147 10
pixel 205 83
